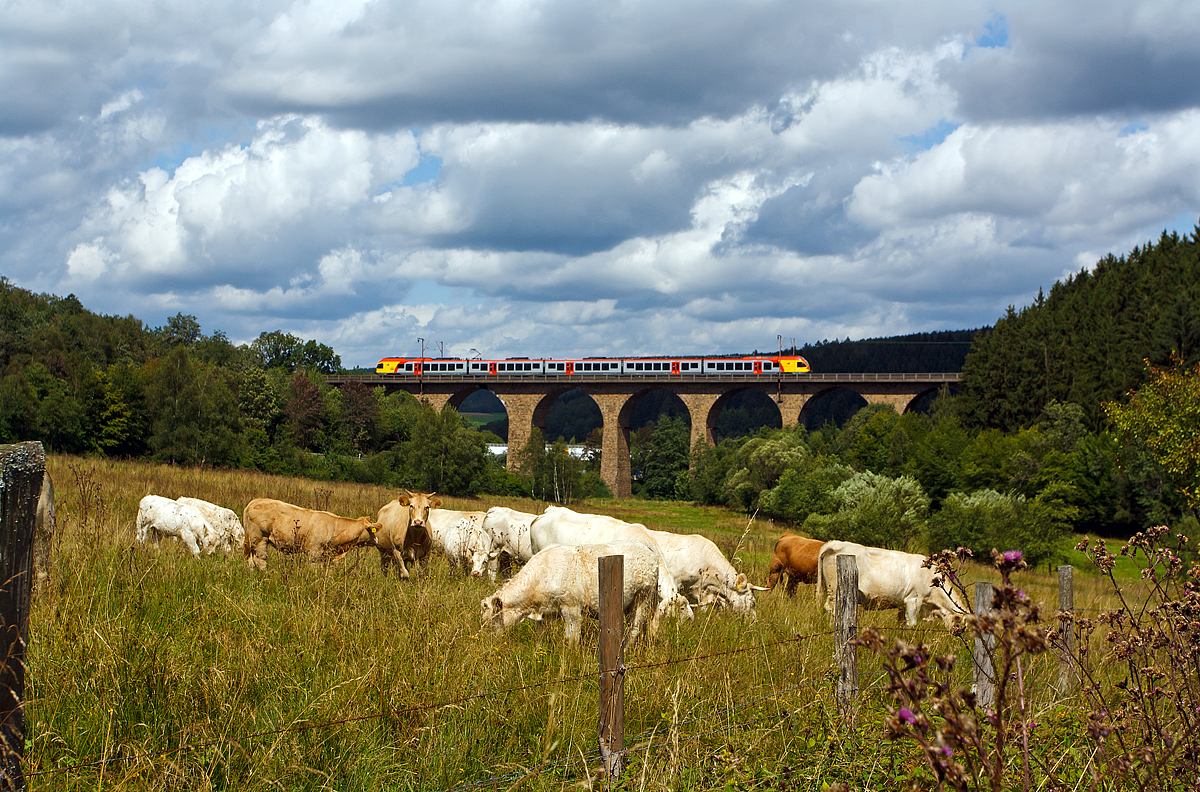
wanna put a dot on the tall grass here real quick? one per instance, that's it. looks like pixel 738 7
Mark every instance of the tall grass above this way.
pixel 208 675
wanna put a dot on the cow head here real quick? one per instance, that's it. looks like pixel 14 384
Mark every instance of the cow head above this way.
pixel 947 606
pixel 370 534
pixel 478 546
pixel 419 504
pixel 493 612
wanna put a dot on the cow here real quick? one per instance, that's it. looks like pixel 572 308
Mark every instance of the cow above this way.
pixel 158 517
pixel 560 525
pixel 889 579
pixel 43 533
pixel 565 581
pixel 227 528
pixel 459 536
pixel 796 557
pixel 405 535
pixel 293 529
pixel 703 574
pixel 509 532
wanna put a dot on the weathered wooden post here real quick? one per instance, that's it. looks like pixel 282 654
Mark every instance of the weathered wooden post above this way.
pixel 1066 628
pixel 845 632
pixel 985 672
pixel 21 469
pixel 612 665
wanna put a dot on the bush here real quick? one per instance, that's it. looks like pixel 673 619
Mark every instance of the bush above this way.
pixel 873 510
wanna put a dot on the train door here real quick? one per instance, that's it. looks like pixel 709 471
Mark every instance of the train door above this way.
pixel 491 367
pixel 758 367
pixel 674 366
pixel 417 366
pixel 570 367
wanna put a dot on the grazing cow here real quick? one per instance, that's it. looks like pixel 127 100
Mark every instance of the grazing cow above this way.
pixel 796 557
pixel 559 525
pixel 158 517
pixel 888 579
pixel 459 536
pixel 565 581
pixel 405 533
pixel 509 530
pixel 227 528
pixel 293 529
pixel 43 533
pixel 703 574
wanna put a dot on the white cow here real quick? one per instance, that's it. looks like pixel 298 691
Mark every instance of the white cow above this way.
pixel 158 517
pixel 228 532
pixel 460 537
pixel 703 574
pixel 888 579
pixel 559 525
pixel 509 530
pixel 565 581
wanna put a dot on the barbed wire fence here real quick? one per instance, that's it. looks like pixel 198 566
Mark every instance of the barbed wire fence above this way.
pixel 743 715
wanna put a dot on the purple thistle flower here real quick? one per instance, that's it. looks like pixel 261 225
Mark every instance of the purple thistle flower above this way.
pixel 1012 556
pixel 906 716
pixel 947 751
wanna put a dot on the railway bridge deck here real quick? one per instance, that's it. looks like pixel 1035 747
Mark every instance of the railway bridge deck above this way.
pixel 527 398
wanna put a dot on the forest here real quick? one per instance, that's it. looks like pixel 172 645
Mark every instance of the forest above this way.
pixel 1047 435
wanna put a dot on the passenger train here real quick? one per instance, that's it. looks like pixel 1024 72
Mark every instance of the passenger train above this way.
pixel 566 367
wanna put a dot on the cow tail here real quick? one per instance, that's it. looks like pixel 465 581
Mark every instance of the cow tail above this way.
pixel 247 530
pixel 822 585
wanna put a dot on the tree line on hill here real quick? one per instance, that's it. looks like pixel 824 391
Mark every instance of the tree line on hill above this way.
pixel 1031 448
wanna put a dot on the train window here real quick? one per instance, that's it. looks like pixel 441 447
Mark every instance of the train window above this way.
pixel 408 366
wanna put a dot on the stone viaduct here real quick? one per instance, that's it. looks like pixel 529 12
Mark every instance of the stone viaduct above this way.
pixel 528 398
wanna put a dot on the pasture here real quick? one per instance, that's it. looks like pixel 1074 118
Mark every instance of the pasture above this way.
pixel 200 673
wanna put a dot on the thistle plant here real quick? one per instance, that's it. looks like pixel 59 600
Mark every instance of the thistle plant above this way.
pixel 1145 719
pixel 966 744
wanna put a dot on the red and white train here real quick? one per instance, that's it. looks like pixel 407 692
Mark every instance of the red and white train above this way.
pixel 641 366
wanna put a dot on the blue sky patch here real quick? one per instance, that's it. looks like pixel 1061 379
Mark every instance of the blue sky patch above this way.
pixel 930 137
pixel 996 33
pixel 427 170
pixel 211 136
pixel 1132 127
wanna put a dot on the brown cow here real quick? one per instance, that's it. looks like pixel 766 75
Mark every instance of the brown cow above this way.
pixel 293 529
pixel 796 556
pixel 404 533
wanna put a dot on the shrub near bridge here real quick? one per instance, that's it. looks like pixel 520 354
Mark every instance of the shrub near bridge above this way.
pixel 202 674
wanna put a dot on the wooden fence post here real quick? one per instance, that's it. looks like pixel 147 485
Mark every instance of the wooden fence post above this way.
pixel 21 470
pixel 612 665
pixel 1066 628
pixel 985 672
pixel 845 615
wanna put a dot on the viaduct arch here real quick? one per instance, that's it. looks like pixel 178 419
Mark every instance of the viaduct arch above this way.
pixel 528 400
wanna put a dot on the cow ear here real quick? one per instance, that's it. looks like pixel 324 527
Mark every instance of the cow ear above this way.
pixel 741 583
pixel 436 503
pixel 497 604
pixel 404 500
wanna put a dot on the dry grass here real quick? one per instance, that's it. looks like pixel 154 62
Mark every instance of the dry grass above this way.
pixel 149 655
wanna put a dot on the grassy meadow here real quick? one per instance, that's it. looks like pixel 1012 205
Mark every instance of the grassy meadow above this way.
pixel 204 674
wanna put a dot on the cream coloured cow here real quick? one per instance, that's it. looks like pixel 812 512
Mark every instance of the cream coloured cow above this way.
pixel 158 517
pixel 320 535
pixel 562 526
pixel 509 532
pixel 227 528
pixel 703 574
pixel 404 535
pixel 888 579
pixel 564 581
pixel 460 537
pixel 43 534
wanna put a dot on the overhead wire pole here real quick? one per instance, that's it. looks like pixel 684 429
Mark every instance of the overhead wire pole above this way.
pixel 421 372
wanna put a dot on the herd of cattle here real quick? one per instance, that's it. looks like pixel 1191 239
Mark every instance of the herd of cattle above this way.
pixel 665 574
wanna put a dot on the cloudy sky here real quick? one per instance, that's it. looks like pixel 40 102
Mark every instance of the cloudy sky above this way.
pixel 557 177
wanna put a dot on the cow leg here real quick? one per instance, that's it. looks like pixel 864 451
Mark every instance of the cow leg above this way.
pixel 793 582
pixel 912 607
pixel 572 623
pixel 257 557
